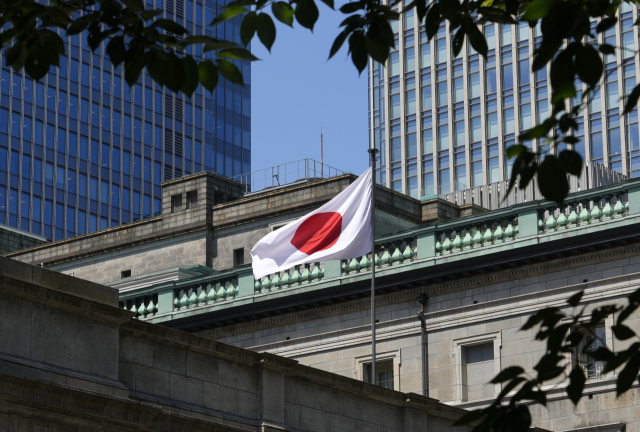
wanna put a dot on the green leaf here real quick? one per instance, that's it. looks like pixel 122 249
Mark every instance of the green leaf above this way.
pixel 78 26
pixel 191 75
pixel 116 50
pixel 228 14
pixel 458 41
pixel 307 13
pixel 607 49
pixel 337 44
pixel 380 32
pixel 601 354
pixel 589 65
pixel 606 23
pixel 552 180
pixel 248 27
pixel 540 316
pixel 37 62
pixel 237 54
pixel 562 76
pixel 208 73
pixel 432 23
pixel 218 44
pixel 515 150
pixel 632 99
pixel 571 162
pixel 537 10
pixel 574 300
pixel 170 26
pixel 622 332
pixel 476 38
pixel 283 12
pixel 230 72
pixel 173 73
pixel 150 13
pixel 358 50
pixel 266 30
pixel 377 51
pixel 628 374
pixel 352 7
pixel 198 39
pixel 576 384
pixel 329 3
pixel 507 374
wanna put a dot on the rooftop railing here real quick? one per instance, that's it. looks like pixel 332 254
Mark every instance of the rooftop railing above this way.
pixel 285 175
pixel 493 196
pixel 420 247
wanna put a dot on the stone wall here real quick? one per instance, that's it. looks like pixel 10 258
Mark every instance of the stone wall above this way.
pixel 12 240
pixel 70 359
pixel 140 259
pixel 487 308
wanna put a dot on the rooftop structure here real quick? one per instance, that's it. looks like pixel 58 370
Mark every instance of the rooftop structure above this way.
pixel 483 273
pixel 13 239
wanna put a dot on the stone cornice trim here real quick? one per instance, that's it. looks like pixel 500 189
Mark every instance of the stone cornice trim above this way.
pixel 470 282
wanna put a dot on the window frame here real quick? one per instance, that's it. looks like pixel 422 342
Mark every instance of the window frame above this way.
pixel 395 356
pixel 459 344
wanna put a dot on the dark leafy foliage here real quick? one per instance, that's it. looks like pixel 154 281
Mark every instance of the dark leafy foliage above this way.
pixel 564 333
pixel 137 38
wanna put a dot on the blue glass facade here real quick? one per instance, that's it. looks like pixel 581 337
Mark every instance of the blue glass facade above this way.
pixel 81 151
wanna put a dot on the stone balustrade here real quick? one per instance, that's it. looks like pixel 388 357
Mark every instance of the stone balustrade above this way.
pixel 476 234
pixel 143 306
pixel 584 211
pixel 418 248
pixel 299 275
pixel 392 251
pixel 203 294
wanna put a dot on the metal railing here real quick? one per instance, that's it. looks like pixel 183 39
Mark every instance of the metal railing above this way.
pixel 286 174
pixel 493 196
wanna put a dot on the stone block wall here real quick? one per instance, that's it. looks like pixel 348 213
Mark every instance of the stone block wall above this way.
pixel 12 240
pixel 486 308
pixel 71 359
pixel 141 259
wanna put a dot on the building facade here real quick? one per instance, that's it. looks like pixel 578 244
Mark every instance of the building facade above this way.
pixel 483 273
pixel 79 362
pixel 81 151
pixel 443 124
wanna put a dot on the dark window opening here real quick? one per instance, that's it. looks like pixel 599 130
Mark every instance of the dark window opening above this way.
pixel 238 257
pixel 176 203
pixel 125 274
pixel 192 199
pixel 384 372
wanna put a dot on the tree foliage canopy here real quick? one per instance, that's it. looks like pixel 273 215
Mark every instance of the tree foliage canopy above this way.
pixel 137 37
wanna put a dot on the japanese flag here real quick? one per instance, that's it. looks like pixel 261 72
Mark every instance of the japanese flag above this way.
pixel 340 229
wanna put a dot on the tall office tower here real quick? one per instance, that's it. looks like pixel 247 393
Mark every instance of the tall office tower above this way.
pixel 443 123
pixel 81 151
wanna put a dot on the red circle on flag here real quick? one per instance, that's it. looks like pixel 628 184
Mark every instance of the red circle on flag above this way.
pixel 318 232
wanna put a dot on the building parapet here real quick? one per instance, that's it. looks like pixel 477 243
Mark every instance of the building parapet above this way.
pixel 401 256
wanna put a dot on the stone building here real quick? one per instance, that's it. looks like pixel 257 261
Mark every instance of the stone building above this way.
pixel 71 359
pixel 13 239
pixel 483 272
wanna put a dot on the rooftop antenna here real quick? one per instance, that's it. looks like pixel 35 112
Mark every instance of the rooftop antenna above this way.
pixel 321 155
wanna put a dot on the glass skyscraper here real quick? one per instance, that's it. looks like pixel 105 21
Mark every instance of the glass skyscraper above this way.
pixel 443 123
pixel 81 151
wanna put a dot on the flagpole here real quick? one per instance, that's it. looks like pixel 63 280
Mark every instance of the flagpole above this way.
pixel 372 152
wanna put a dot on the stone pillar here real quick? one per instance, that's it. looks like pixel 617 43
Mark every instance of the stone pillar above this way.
pixel 426 244
pixel 634 200
pixel 165 301
pixel 528 223
pixel 332 269
pixel 246 284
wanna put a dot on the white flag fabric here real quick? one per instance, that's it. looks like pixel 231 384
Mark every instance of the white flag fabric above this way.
pixel 340 229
